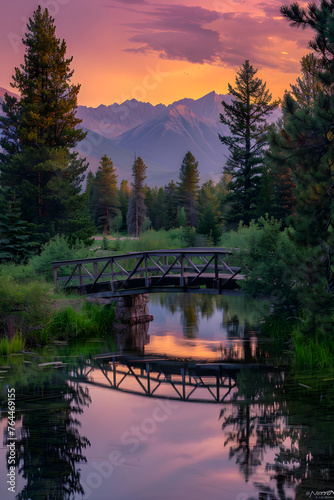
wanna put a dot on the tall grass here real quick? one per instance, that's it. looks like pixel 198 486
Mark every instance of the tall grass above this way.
pixel 91 320
pixel 311 353
pixel 13 345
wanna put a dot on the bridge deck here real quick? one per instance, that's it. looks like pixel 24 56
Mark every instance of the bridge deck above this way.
pixel 140 272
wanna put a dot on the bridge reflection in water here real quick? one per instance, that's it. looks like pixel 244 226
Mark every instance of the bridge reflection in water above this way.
pixel 163 378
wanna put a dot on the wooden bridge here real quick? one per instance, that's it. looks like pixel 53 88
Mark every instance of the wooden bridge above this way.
pixel 207 270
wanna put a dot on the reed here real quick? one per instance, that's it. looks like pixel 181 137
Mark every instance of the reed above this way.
pixel 91 320
pixel 13 345
pixel 312 353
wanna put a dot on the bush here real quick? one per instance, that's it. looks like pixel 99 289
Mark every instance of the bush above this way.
pixel 267 252
pixel 22 306
pixel 18 272
pixel 56 249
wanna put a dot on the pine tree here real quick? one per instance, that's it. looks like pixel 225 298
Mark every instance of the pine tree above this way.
pixel 305 144
pixel 172 204
pixel 307 87
pixel 188 186
pixel 156 203
pixel 208 213
pixel 137 208
pixel 277 188
pixel 40 130
pixel 14 232
pixel 246 119
pixel 106 194
pixel 124 197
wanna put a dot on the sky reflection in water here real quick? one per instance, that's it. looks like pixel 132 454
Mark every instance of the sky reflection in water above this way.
pixel 272 438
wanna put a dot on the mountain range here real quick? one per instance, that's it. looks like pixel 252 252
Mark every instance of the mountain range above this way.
pixel 160 134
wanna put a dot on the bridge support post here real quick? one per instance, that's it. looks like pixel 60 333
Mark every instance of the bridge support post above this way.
pixel 216 266
pixel 80 275
pixel 182 270
pixel 95 270
pixel 147 281
pixel 55 272
pixel 183 384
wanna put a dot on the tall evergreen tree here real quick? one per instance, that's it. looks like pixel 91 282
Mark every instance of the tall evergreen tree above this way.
pixel 14 232
pixel 124 197
pixel 305 144
pixel 246 119
pixel 172 204
pixel 208 212
pixel 40 129
pixel 306 89
pixel 137 208
pixel 106 194
pixel 188 186
pixel 156 203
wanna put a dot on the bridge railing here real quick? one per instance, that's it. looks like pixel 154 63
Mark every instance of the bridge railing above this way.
pixel 152 268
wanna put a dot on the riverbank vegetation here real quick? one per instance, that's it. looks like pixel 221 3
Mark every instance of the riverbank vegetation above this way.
pixel 274 201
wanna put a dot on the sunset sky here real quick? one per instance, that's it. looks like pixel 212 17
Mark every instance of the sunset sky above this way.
pixel 161 51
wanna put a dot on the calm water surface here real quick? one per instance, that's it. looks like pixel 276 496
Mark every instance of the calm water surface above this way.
pixel 271 435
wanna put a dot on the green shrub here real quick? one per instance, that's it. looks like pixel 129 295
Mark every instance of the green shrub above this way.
pixel 19 272
pixel 23 306
pixel 267 262
pixel 56 249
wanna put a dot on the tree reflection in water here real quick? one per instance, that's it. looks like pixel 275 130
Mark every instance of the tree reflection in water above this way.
pixel 49 445
pixel 237 313
pixel 269 413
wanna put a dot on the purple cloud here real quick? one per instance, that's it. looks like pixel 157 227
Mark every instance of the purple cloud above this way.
pixel 179 32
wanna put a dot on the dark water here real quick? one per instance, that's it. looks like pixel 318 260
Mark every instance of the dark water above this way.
pixel 270 436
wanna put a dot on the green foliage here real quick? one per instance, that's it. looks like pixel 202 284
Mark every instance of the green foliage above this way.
pixel 157 208
pixel 137 208
pixel 15 233
pixel 21 273
pixel 305 144
pixel 268 262
pixel 172 204
pixel 188 186
pixel 209 224
pixel 105 243
pixel 104 195
pixel 311 353
pixel 22 306
pixel 246 119
pixel 14 345
pixel 124 196
pixel 92 320
pixel 181 219
pixel 117 223
pixel 58 248
pixel 39 132
pixel 188 236
pixel 153 240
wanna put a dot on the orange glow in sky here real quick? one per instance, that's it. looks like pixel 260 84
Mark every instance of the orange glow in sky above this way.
pixel 158 51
